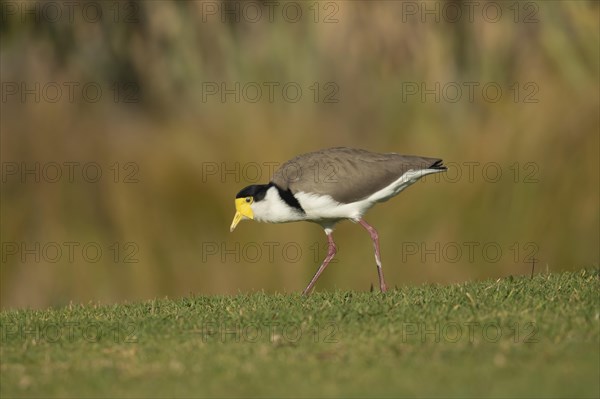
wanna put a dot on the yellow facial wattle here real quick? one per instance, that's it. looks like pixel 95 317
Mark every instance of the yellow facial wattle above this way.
pixel 243 210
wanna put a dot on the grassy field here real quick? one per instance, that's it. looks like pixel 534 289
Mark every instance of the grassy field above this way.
pixel 515 337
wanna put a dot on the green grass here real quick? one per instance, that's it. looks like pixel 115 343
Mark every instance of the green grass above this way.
pixel 515 337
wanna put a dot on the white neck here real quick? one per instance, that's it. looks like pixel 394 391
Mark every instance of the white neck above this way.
pixel 273 209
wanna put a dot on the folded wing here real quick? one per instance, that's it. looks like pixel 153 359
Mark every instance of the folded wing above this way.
pixel 346 174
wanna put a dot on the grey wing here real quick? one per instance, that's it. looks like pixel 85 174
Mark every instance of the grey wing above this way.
pixel 346 174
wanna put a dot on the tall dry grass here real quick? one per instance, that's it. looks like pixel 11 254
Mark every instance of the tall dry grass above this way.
pixel 176 212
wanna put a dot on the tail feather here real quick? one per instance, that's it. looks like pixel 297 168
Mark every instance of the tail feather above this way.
pixel 438 164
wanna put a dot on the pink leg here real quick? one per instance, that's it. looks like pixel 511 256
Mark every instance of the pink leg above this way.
pixel 330 254
pixel 375 238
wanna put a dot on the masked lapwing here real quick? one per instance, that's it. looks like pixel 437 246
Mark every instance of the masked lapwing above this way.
pixel 331 185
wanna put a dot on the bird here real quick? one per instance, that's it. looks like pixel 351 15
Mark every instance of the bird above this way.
pixel 331 185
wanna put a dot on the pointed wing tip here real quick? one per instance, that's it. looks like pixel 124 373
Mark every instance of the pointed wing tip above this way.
pixel 438 164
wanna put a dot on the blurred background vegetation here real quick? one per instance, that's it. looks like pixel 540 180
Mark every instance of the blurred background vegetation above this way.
pixel 168 148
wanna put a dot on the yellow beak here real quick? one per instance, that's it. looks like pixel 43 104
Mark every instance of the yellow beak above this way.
pixel 243 210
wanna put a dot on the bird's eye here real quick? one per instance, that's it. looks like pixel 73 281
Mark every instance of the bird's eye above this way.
pixel 248 199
